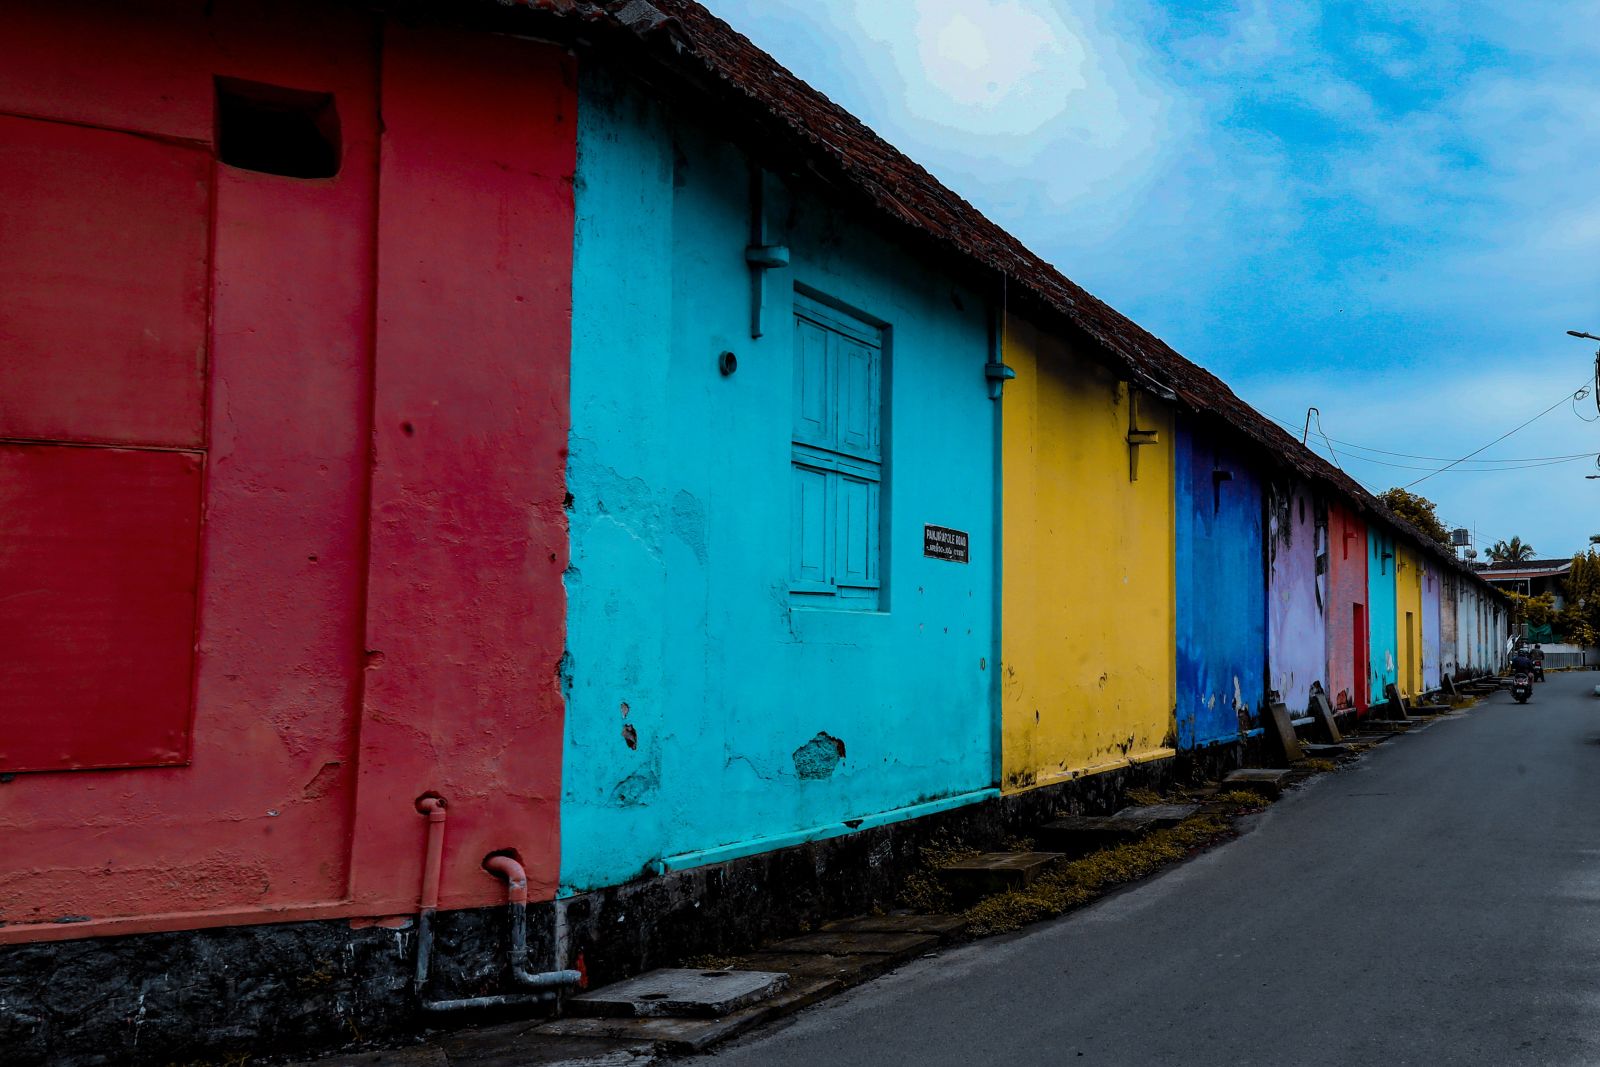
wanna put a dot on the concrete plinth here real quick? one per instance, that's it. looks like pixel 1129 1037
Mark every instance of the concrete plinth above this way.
pixel 1084 833
pixel 1268 781
pixel 1393 706
pixel 841 943
pixel 1280 731
pixel 679 992
pixel 995 872
pixel 1156 816
pixel 941 926
pixel 1327 725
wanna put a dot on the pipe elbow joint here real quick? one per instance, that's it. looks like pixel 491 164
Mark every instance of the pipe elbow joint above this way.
pixel 514 875
pixel 548 980
pixel 432 806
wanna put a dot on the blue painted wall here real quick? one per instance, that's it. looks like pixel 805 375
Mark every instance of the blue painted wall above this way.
pixel 1221 592
pixel 1383 655
pixel 708 713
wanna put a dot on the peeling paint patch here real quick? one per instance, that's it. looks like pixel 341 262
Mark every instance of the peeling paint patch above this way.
pixel 819 757
pixel 635 789
pixel 689 523
pixel 630 736
pixel 322 782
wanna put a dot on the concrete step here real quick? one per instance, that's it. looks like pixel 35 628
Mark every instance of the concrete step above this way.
pixel 1268 781
pixel 944 927
pixel 1390 725
pixel 1157 816
pixel 689 1035
pixel 1428 709
pixel 1085 833
pixel 995 872
pixel 1079 833
pixel 678 992
pixel 848 942
pixel 1334 751
pixel 844 970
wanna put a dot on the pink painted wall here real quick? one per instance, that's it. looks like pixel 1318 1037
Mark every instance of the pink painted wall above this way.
pixel 390 342
pixel 1348 645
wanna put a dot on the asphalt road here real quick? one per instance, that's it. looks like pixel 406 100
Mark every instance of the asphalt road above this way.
pixel 1437 902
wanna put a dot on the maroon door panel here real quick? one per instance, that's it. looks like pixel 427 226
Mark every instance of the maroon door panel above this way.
pixel 97 605
pixel 102 286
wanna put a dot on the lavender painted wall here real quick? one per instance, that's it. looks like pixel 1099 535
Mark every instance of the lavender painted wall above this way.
pixel 1297 594
pixel 1432 643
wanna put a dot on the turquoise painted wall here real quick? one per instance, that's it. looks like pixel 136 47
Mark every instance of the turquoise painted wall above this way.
pixel 1384 657
pixel 708 714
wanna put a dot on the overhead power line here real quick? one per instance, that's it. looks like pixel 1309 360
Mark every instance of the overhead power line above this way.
pixel 1570 394
pixel 1474 470
pixel 1435 459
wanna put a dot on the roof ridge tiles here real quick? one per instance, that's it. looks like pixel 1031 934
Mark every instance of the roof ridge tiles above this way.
pixel 903 189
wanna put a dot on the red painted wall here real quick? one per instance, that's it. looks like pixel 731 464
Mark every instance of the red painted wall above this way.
pixel 1347 587
pixel 375 397
pixel 466 603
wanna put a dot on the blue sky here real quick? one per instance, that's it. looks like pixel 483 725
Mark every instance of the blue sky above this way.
pixel 1386 210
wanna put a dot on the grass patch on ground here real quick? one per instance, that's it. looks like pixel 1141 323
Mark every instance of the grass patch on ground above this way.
pixel 713 962
pixel 1318 765
pixel 922 890
pixel 1071 885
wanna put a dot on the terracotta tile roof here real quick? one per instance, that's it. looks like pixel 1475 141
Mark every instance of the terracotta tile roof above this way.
pixel 1528 568
pixel 684 36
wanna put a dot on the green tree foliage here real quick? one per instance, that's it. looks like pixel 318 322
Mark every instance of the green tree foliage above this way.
pixel 1536 611
pixel 1515 550
pixel 1418 510
pixel 1579 621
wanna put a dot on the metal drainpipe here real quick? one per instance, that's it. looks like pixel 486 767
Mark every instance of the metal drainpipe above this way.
pixel 434 809
pixel 517 890
pixel 546 987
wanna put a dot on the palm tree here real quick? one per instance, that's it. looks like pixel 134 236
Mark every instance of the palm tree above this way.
pixel 1515 550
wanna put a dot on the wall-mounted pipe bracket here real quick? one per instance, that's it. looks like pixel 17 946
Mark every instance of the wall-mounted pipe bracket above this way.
pixel 1138 436
pixel 761 255
pixel 1218 476
pixel 998 374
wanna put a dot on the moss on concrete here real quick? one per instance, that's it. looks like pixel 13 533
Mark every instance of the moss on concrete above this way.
pixel 1071 885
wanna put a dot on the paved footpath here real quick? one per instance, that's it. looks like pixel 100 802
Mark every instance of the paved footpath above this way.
pixel 1437 902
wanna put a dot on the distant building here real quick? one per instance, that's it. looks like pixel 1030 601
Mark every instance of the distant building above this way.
pixel 1533 577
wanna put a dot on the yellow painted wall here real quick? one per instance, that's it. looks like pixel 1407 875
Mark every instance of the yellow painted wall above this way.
pixel 1408 600
pixel 1087 646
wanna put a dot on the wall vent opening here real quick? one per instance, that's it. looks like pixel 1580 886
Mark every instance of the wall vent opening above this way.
pixel 272 130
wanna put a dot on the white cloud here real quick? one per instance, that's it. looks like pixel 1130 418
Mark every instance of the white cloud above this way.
pixel 1387 210
pixel 1450 415
pixel 1029 108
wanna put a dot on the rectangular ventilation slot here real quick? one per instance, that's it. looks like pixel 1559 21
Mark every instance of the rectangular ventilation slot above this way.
pixel 273 130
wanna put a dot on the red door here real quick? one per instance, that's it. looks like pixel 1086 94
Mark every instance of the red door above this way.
pixel 1358 637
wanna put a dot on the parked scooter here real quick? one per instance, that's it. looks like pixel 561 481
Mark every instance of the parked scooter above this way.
pixel 1521 687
